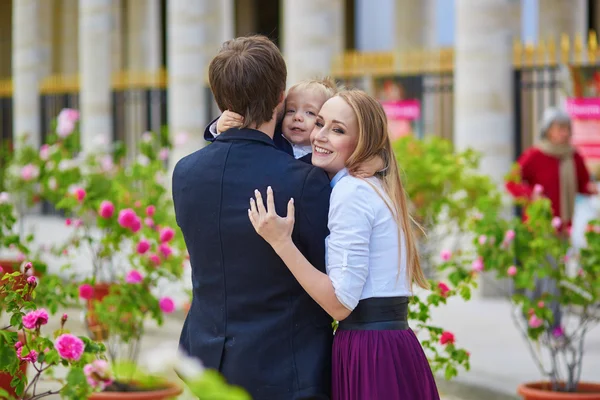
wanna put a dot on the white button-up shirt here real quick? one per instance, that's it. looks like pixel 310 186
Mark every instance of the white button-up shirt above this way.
pixel 363 260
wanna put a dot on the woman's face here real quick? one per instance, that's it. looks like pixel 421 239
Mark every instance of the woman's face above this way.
pixel 335 136
pixel 559 133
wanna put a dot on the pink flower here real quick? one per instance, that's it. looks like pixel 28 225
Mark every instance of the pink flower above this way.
pixel 541 304
pixel 150 210
pixel 20 257
pixel 538 189
pixel 137 204
pixel 127 218
pixel 447 338
pixel 477 265
pixel 44 152
pixel 68 114
pixel 154 259
pixel 30 357
pixel 98 374
pixel 512 270
pixel 166 234
pixel 18 345
pixel 107 209
pixel 4 198
pixel 558 332
pixel 64 128
pixel 136 225
pixel 444 289
pixel 80 194
pixel 482 239
pixel 446 255
pixel 149 223
pixel 29 172
pixel 35 318
pixel 556 222
pixel 1 270
pixel 86 291
pixel 106 163
pixel 69 347
pixel 509 236
pixel 134 277
pixel 165 250
pixel 32 280
pixel 143 246
pixel 77 223
pixel 163 154
pixel 535 321
pixel 68 222
pixel 167 305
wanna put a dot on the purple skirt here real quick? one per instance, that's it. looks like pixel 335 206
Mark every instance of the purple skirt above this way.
pixel 380 365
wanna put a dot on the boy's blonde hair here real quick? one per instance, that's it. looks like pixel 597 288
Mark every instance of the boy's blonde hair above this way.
pixel 326 86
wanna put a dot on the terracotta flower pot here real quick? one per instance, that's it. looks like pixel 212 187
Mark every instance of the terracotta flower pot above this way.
pixel 6 378
pixel 171 391
pixel 97 330
pixel 543 391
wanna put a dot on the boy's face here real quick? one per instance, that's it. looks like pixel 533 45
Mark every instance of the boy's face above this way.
pixel 301 109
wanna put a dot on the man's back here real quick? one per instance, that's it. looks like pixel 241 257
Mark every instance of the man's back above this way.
pixel 250 318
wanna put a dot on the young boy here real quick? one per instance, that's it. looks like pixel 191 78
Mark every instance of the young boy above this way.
pixel 292 135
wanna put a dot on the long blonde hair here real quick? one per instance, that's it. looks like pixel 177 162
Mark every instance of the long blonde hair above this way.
pixel 373 140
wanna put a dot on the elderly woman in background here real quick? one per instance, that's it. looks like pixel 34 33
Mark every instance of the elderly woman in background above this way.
pixel 553 169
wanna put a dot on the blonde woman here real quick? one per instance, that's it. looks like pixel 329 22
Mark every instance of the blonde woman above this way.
pixel 371 259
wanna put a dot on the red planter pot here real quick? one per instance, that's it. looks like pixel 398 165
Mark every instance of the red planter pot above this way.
pixel 6 378
pixel 170 392
pixel 97 330
pixel 543 391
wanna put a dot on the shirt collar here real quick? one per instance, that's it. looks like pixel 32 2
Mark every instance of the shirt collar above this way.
pixel 338 176
pixel 301 150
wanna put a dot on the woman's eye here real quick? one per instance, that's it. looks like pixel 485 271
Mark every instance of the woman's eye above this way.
pixel 319 124
pixel 338 130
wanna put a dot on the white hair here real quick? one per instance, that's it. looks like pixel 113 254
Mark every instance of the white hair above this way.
pixel 552 116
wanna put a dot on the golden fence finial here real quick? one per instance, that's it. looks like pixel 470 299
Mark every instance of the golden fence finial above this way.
pixel 565 48
pixel 529 54
pixel 517 53
pixel 541 53
pixel 6 87
pixel 551 51
pixel 592 46
pixel 578 48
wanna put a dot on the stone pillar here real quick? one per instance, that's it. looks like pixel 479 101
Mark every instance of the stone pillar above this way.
pixel 415 24
pixel 195 32
pixel 117 35
pixel 67 55
pixel 46 31
pixel 313 34
pixel 557 17
pixel 483 88
pixel 95 67
pixel 144 36
pixel 26 72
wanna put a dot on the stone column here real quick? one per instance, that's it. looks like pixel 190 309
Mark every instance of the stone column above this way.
pixel 47 26
pixel 195 32
pixel 117 35
pixel 313 34
pixel 26 73
pixel 67 55
pixel 95 67
pixel 415 24
pixel 144 36
pixel 483 87
pixel 557 17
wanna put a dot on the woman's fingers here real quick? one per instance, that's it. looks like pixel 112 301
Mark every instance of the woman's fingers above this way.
pixel 253 207
pixel 260 204
pixel 291 209
pixel 270 201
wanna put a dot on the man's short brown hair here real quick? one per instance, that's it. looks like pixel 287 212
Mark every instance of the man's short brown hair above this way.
pixel 248 77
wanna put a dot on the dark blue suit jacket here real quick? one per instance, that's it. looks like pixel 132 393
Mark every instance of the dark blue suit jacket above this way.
pixel 249 317
pixel 280 142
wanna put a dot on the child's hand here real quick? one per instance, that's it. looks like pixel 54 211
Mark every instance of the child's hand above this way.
pixel 229 120
pixel 369 168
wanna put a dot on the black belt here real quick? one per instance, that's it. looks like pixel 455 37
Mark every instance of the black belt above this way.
pixel 378 314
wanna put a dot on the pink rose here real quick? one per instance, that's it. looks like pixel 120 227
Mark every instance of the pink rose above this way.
pixel 107 209
pixel 98 374
pixel 64 128
pixel 149 223
pixel 447 338
pixel 482 240
pixel 446 255
pixel 136 225
pixel 541 304
pixel 35 318
pixel 143 246
pixel 4 198
pixel 512 270
pixel 20 257
pixel 535 322
pixel 1 270
pixel 86 291
pixel 68 222
pixel 134 277
pixel 167 305
pixel 44 152
pixel 68 114
pixel 106 163
pixel 150 210
pixel 509 236
pixel 127 218
pixel 477 265
pixel 165 250
pixel 77 223
pixel 163 155
pixel 444 289
pixel 80 194
pixel 538 189
pixel 556 222
pixel 558 332
pixel 166 234
pixel 154 259
pixel 30 357
pixel 32 280
pixel 69 347
pixel 29 172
